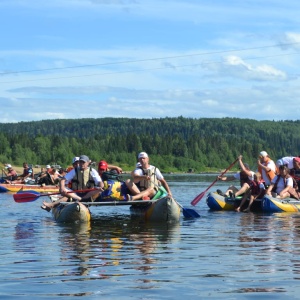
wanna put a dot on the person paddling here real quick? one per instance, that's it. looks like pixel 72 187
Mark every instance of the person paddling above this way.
pixel 245 176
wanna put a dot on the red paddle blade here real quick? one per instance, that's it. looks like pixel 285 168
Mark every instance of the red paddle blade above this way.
pixel 198 198
pixel 22 197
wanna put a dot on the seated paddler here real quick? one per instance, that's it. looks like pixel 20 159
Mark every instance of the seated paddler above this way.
pixel 81 180
pixel 148 177
pixel 115 189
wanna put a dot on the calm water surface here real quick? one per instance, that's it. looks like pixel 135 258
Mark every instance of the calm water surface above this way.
pixel 220 255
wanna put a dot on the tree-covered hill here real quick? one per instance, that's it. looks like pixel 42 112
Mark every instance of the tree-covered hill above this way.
pixel 175 144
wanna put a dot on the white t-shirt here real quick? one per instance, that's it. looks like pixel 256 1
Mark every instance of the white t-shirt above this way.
pixel 280 184
pixel 288 160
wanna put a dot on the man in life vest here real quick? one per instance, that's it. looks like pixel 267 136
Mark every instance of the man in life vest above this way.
pixel 266 167
pixel 81 179
pixel 148 177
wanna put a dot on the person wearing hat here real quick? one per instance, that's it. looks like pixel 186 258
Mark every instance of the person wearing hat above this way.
pixel 11 174
pixel 81 179
pixel 292 162
pixel 75 164
pixel 48 169
pixel 125 190
pixel 105 170
pixel 148 178
pixel 245 176
pixel 266 167
pixel 47 177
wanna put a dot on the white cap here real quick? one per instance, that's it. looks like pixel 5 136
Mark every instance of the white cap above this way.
pixel 48 167
pixel 143 155
pixel 263 153
pixel 76 158
pixel 8 166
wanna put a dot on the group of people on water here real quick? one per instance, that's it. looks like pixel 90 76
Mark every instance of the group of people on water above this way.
pixel 13 177
pixel 47 175
pixel 81 182
pixel 84 183
pixel 274 179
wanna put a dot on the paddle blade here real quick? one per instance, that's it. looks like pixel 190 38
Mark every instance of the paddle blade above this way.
pixel 190 213
pixel 198 198
pixel 28 196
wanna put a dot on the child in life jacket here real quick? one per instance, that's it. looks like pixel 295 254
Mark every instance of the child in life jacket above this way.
pixel 256 190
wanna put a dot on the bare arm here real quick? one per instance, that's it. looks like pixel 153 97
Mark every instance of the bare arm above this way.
pixel 112 167
pixel 225 178
pixel 248 172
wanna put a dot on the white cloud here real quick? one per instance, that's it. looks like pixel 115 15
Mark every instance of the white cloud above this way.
pixel 234 66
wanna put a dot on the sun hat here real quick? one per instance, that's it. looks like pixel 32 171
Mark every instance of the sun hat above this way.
pixel 263 153
pixel 102 165
pixel 142 155
pixel 84 158
pixel 8 166
pixel 48 167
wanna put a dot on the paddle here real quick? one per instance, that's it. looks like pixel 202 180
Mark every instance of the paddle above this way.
pixel 188 212
pixel 29 196
pixel 200 196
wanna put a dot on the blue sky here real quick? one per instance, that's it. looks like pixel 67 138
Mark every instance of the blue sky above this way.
pixel 149 59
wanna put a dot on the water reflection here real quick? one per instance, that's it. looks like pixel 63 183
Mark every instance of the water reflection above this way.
pixel 221 254
pixel 24 230
pixel 114 247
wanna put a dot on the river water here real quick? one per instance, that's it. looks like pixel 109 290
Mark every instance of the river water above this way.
pixel 219 255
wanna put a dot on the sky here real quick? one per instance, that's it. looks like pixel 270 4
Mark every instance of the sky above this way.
pixel 71 59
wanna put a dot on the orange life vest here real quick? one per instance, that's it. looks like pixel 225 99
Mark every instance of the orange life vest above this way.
pixel 271 174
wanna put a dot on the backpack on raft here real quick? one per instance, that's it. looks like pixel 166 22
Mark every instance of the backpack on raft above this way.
pixel 113 190
pixel 111 175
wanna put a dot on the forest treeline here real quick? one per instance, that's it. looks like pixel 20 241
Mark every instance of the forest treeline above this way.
pixel 174 144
